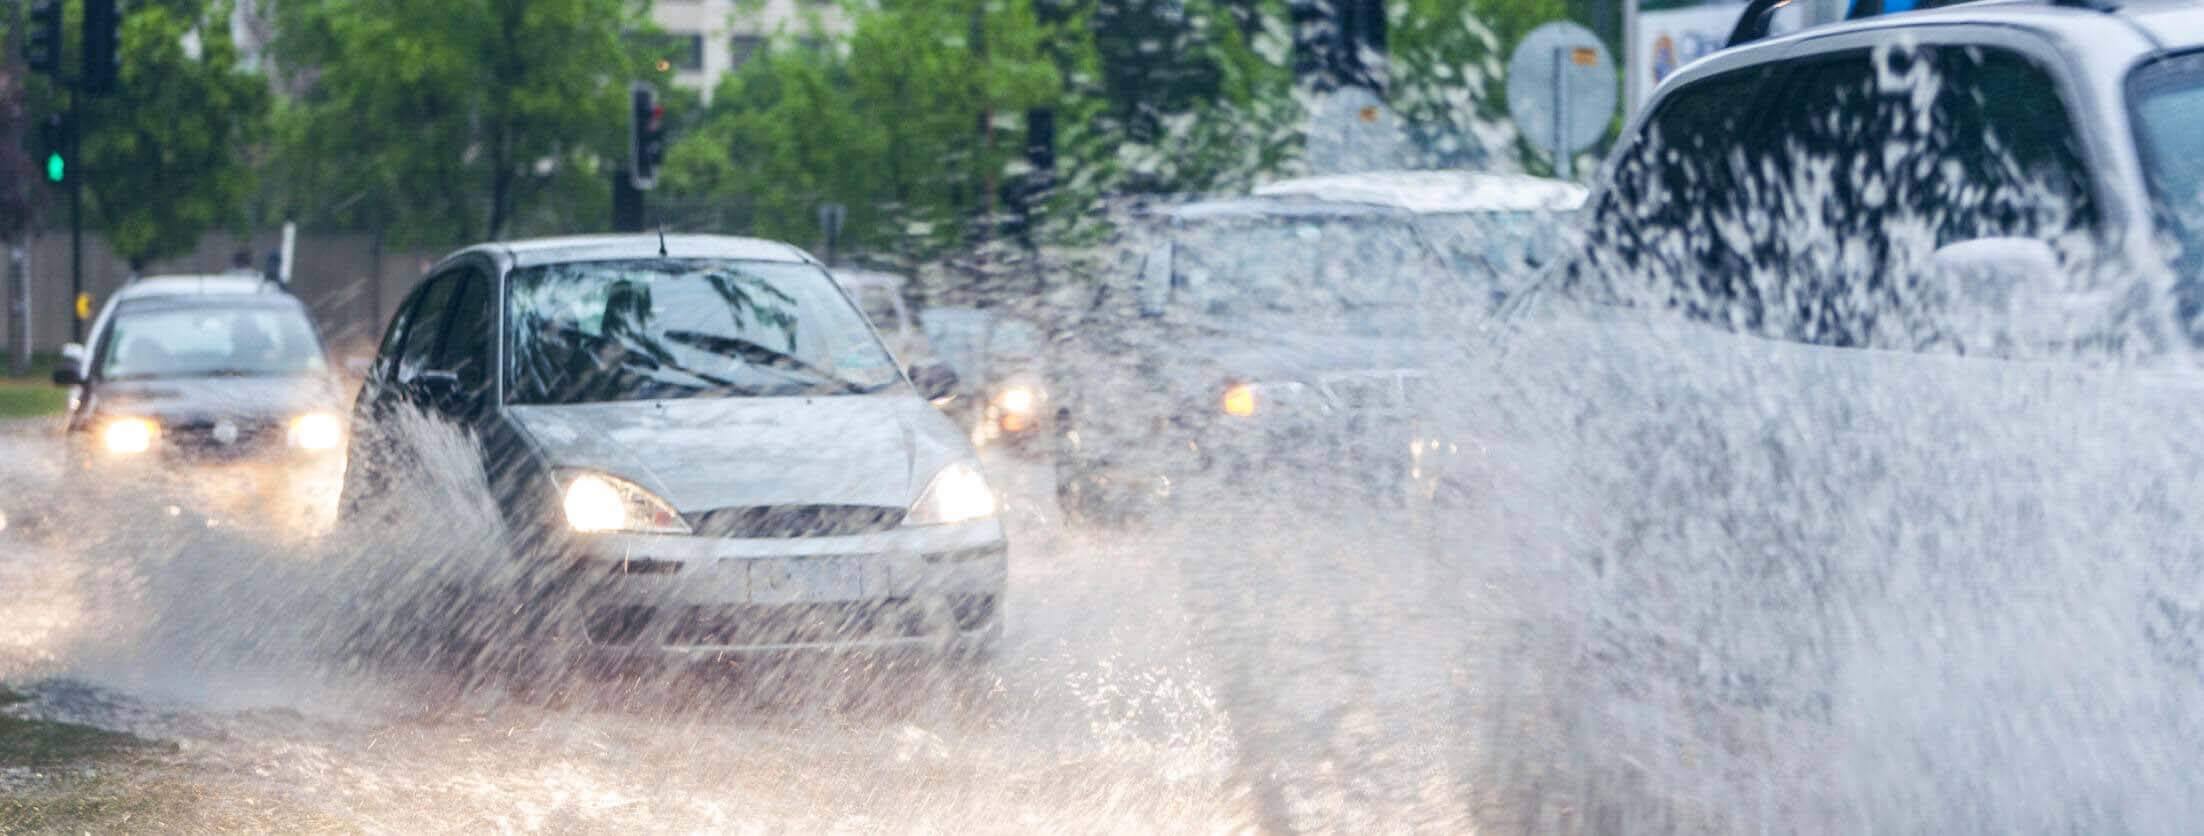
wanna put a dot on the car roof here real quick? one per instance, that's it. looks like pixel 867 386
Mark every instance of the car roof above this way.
pixel 2115 35
pixel 207 285
pixel 852 278
pixel 537 251
pixel 1436 192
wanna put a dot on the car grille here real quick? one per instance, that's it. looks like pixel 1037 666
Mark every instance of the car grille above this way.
pixel 204 438
pixel 785 521
pixel 736 626
pixel 1372 391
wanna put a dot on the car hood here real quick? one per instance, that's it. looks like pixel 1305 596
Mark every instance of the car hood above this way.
pixel 710 453
pixel 209 398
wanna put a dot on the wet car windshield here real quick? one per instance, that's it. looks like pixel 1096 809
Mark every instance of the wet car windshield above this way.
pixel 1353 269
pixel 2169 103
pixel 209 341
pixel 641 330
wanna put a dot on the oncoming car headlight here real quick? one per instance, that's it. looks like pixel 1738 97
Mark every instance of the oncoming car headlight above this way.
pixel 1015 407
pixel 128 436
pixel 1243 399
pixel 957 494
pixel 595 502
pixel 317 431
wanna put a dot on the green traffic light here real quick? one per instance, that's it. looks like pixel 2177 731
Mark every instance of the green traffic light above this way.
pixel 55 167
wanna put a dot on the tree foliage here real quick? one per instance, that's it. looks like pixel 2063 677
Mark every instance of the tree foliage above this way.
pixel 913 122
pixel 453 120
pixel 167 156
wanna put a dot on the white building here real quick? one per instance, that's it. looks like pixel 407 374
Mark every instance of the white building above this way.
pixel 707 39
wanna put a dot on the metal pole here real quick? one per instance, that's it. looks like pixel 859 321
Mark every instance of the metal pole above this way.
pixel 76 218
pixel 1561 115
pixel 1632 74
pixel 19 311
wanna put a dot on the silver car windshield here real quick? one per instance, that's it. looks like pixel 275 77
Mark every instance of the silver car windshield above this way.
pixel 2169 105
pixel 684 328
pixel 147 343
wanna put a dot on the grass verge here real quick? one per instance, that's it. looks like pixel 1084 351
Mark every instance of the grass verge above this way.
pixel 33 395
pixel 39 743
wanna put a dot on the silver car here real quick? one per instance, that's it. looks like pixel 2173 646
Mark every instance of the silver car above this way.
pixel 696 444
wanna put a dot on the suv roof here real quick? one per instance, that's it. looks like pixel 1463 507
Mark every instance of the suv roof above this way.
pixel 2118 32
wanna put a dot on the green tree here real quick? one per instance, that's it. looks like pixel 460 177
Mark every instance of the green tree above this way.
pixel 167 157
pixel 450 120
pixel 914 123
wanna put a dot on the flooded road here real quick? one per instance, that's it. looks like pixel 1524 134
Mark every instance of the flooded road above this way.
pixel 1178 679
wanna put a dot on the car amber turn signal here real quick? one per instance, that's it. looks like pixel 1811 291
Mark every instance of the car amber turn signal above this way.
pixel 1239 400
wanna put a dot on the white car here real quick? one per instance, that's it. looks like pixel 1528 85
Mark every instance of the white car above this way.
pixel 1861 435
pixel 696 445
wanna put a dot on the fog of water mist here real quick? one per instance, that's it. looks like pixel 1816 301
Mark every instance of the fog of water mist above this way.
pixel 1799 535
pixel 1795 550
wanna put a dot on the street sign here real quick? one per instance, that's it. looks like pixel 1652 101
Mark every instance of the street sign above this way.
pixel 1561 90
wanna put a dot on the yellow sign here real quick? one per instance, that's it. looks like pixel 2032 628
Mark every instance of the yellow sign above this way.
pixel 1584 56
pixel 84 306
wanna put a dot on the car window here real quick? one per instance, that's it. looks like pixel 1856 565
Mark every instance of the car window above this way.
pixel 2167 97
pixel 165 340
pixel 596 331
pixel 386 356
pixel 424 328
pixel 1817 223
pixel 1653 239
pixel 466 348
pixel 1892 153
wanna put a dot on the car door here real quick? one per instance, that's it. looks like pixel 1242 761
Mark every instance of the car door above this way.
pixel 383 413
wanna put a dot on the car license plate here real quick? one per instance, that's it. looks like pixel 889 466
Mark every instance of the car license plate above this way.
pixel 800 580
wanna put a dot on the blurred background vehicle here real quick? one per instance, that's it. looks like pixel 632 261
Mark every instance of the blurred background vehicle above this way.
pixel 215 387
pixel 1288 331
pixel 880 296
pixel 1002 392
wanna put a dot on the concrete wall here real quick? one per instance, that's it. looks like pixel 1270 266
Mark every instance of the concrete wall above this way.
pixel 350 280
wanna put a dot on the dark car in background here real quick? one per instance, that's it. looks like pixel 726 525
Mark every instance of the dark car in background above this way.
pixel 1287 332
pixel 215 389
pixel 1001 367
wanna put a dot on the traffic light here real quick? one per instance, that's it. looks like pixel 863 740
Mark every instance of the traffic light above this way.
pixel 42 41
pixel 646 135
pixel 102 36
pixel 53 137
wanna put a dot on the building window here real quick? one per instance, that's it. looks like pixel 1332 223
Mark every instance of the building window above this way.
pixel 740 48
pixel 682 51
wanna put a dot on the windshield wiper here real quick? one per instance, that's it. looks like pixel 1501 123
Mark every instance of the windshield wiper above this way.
pixel 763 355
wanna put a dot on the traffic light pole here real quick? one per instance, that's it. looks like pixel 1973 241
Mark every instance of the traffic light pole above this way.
pixel 76 223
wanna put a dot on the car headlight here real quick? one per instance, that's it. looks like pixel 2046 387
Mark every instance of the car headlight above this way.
pixel 129 436
pixel 595 502
pixel 1016 399
pixel 1243 399
pixel 957 494
pixel 317 431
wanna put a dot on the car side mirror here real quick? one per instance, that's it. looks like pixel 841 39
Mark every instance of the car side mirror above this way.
pixel 935 381
pixel 2005 291
pixel 67 374
pixel 436 385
